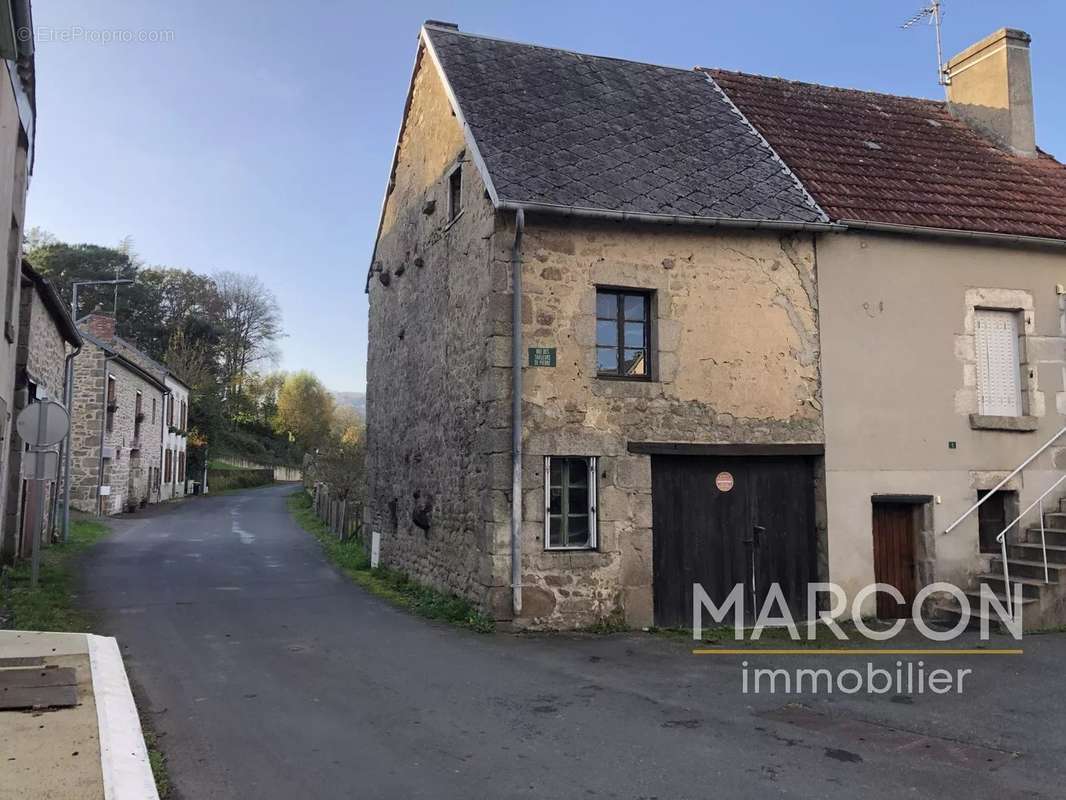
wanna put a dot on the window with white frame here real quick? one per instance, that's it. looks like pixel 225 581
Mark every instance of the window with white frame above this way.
pixel 999 390
pixel 570 503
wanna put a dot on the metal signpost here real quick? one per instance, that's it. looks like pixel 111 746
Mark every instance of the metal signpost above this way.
pixel 41 425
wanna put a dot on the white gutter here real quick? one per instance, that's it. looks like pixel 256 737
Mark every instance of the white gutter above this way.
pixel 950 233
pixel 668 219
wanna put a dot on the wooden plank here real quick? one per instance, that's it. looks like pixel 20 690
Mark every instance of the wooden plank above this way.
pixel 737 449
pixel 36 678
pixel 13 699
pixel 22 661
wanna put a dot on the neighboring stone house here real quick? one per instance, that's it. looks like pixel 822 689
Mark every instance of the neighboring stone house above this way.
pixel 117 422
pixel 175 438
pixel 17 133
pixel 47 335
pixel 705 258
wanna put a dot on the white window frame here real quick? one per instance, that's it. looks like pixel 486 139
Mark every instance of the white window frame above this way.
pixel 996 406
pixel 593 494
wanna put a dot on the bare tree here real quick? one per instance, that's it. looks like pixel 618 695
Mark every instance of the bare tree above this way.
pixel 251 324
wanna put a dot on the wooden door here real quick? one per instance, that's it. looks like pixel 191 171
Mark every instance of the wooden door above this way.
pixel 894 532
pixel 757 532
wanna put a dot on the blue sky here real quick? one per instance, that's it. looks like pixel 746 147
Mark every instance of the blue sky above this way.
pixel 258 138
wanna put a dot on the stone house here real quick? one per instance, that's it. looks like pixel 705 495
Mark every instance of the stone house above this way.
pixel 17 135
pixel 634 328
pixel 47 337
pixel 117 425
pixel 175 437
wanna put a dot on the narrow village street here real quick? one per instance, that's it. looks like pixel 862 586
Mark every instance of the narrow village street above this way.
pixel 267 674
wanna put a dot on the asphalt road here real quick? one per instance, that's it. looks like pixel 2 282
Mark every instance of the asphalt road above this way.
pixel 269 675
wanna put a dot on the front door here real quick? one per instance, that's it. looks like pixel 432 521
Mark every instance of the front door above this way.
pixel 894 533
pixel 725 520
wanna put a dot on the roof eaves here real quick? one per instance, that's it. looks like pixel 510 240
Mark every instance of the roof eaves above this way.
pixel 54 305
pixel 670 219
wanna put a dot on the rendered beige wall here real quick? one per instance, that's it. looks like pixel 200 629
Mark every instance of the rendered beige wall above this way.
pixel 898 385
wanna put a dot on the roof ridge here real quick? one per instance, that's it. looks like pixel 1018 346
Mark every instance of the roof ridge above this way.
pixel 457 32
pixel 942 104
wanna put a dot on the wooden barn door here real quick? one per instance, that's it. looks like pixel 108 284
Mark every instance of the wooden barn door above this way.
pixel 725 520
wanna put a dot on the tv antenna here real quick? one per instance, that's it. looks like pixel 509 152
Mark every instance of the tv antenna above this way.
pixel 934 13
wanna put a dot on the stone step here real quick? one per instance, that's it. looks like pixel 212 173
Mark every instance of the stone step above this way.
pixel 1026 568
pixel 949 613
pixel 1031 587
pixel 1055 519
pixel 1029 551
pixel 1051 535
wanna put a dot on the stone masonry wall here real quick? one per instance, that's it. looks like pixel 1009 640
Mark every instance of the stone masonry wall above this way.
pixel 128 471
pixel 40 358
pixel 735 360
pixel 431 408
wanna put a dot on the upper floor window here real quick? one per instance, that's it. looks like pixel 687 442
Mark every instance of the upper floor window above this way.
pixel 623 333
pixel 999 390
pixel 455 193
pixel 138 416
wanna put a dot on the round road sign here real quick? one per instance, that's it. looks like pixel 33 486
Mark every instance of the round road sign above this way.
pixel 43 423
pixel 724 481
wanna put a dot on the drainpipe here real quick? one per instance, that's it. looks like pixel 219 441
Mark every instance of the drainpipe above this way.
pixel 68 400
pixel 516 413
pixel 103 432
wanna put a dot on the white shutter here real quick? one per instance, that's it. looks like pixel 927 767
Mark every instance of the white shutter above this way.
pixel 998 368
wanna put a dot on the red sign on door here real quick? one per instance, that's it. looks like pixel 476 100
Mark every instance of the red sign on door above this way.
pixel 724 481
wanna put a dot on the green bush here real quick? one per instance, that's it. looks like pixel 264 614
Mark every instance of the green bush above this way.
pixel 220 480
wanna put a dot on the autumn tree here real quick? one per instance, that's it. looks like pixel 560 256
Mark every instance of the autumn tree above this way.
pixel 305 410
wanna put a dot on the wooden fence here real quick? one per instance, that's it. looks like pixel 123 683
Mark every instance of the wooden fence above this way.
pixel 344 517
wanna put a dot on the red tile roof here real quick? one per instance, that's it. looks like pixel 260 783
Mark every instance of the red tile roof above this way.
pixel 900 160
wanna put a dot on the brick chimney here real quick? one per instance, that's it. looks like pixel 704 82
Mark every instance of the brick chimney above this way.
pixel 992 89
pixel 100 325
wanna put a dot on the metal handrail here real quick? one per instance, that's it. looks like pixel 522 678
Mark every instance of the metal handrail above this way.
pixel 1003 482
pixel 1002 539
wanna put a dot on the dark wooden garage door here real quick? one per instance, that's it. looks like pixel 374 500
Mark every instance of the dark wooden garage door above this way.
pixel 759 532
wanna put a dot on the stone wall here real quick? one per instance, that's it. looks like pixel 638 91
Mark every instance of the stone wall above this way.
pixel 736 360
pixel 129 469
pixel 432 405
pixel 735 342
pixel 41 359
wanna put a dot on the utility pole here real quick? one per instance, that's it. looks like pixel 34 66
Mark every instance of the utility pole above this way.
pixel 68 398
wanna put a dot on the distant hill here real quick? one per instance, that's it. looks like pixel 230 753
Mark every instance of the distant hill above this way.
pixel 356 400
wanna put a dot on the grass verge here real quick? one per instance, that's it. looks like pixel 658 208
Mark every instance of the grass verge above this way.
pixel 49 607
pixel 392 585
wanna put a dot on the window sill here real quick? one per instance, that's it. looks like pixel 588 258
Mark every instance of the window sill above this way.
pixel 987 422
pixel 571 550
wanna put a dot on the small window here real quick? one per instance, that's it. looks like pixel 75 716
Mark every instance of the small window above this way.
pixel 570 503
pixel 623 333
pixel 999 391
pixel 112 402
pixel 455 193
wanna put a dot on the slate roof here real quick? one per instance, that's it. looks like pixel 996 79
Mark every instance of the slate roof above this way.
pixel 900 160
pixel 568 129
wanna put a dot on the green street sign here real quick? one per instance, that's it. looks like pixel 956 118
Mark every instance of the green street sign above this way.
pixel 542 356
